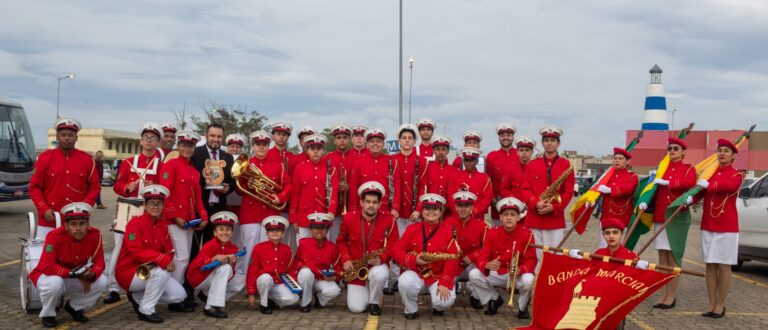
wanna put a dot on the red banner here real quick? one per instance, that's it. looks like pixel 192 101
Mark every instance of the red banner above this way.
pixel 588 294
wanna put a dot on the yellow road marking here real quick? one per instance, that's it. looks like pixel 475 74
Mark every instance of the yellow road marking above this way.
pixel 729 313
pixel 639 323
pixel 10 263
pixel 736 276
pixel 371 323
pixel 92 314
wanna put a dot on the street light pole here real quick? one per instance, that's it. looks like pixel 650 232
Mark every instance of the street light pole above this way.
pixel 672 124
pixel 58 92
pixel 400 59
pixel 410 90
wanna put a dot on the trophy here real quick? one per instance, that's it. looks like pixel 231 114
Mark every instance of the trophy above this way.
pixel 213 172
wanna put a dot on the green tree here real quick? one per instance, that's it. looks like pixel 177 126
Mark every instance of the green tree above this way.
pixel 234 118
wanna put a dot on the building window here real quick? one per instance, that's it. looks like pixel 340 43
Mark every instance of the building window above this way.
pixel 110 145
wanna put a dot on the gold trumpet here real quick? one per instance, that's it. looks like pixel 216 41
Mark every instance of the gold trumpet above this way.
pixel 551 194
pixel 251 180
pixel 512 277
pixel 143 271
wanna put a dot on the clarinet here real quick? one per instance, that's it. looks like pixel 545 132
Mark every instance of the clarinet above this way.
pixel 391 182
pixel 328 187
pixel 415 185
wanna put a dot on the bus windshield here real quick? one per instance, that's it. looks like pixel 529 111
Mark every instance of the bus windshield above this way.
pixel 17 148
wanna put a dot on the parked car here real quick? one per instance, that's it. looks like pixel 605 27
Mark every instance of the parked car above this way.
pixel 752 206
pixel 107 180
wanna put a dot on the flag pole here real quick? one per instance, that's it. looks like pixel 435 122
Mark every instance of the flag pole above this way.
pixel 578 222
pixel 658 232
pixel 631 229
pixel 626 262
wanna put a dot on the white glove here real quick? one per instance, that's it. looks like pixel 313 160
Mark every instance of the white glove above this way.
pixel 575 254
pixel 689 200
pixel 661 182
pixel 643 206
pixel 703 183
pixel 604 189
pixel 652 173
pixel 641 264
pixel 588 204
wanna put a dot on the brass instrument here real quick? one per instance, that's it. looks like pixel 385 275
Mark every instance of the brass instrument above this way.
pixel 512 276
pixel 251 180
pixel 143 271
pixel 551 194
pixel 360 267
pixel 173 154
pixel 431 257
pixel 343 194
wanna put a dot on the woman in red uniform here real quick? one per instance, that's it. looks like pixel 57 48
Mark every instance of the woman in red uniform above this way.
pixel 720 227
pixel 619 192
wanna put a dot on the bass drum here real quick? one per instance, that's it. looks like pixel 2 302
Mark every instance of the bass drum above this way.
pixel 31 250
pixel 127 208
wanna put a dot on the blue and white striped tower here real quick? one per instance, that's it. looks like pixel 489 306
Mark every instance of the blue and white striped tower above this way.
pixel 655 118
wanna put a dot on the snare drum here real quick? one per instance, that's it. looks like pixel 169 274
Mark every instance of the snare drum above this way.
pixel 127 208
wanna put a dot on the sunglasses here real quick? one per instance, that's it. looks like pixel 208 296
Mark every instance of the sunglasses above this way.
pixel 674 148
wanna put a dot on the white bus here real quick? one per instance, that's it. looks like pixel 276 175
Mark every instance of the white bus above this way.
pixel 17 151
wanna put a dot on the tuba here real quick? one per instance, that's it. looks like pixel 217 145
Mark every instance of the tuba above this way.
pixel 251 180
pixel 551 194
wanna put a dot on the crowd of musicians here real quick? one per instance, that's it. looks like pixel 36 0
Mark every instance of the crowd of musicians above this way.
pixel 295 229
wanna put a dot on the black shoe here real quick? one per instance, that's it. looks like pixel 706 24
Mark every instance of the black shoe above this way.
pixel 134 304
pixel 317 303
pixel 78 316
pixel 202 297
pixel 716 315
pixel 189 302
pixel 437 312
pixel 50 322
pixel 707 314
pixel 265 310
pixel 153 318
pixel 180 308
pixel 305 309
pixel 374 309
pixel 659 305
pixel 391 290
pixel 272 304
pixel 112 297
pixel 215 312
pixel 412 316
pixel 665 306
pixel 475 303
pixel 493 306
pixel 524 314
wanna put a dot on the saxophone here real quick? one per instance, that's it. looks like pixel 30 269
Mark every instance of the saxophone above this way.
pixel 431 257
pixel 360 270
pixel 551 194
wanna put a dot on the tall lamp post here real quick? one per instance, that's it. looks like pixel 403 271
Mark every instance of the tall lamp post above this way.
pixel 672 123
pixel 400 59
pixel 410 90
pixel 58 92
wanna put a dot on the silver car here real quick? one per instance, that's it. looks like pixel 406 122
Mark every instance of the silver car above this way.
pixel 752 206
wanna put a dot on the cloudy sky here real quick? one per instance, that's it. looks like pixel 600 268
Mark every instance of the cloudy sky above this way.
pixel 582 65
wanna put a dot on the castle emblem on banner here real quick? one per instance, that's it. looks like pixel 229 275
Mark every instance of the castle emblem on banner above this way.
pixel 581 312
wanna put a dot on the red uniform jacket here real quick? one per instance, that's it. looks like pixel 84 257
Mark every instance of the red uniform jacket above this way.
pixel 719 214
pixel 185 199
pixel 618 204
pixel 62 252
pixel 621 252
pixel 343 162
pixel 536 181
pixel 295 161
pixel 60 179
pixel 681 178
pixel 285 157
pixel 150 166
pixel 409 182
pixel 253 211
pixel 471 235
pixel 309 191
pixel 375 168
pixel 145 240
pixel 212 248
pixel 500 243
pixel 350 240
pixel 437 238
pixel 437 178
pixel 498 164
pixel 475 182
pixel 424 150
pixel 511 185
pixel 318 256
pixel 268 258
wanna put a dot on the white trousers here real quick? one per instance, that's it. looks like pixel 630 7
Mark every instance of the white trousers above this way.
pixel 236 239
pixel 411 285
pixel 465 277
pixel 304 233
pixel 333 233
pixel 485 286
pixel 53 287
pixel 43 231
pixel 159 288
pixel 182 243
pixel 218 286
pixel 550 237
pixel 402 225
pixel 110 271
pixel 279 293
pixel 289 236
pixel 325 290
pixel 359 296
pixel 250 234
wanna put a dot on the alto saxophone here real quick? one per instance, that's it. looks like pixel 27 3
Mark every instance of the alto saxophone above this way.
pixel 431 257
pixel 552 193
pixel 360 267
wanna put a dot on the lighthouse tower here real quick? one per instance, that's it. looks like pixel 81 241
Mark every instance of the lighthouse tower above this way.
pixel 655 118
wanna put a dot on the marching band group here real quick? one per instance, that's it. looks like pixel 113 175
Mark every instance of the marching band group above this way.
pixel 296 229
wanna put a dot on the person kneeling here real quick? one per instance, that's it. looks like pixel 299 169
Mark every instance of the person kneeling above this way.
pixel 148 245
pixel 318 261
pixel 269 260
pixel 430 253
pixel 216 285
pixel 71 265
pixel 494 261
